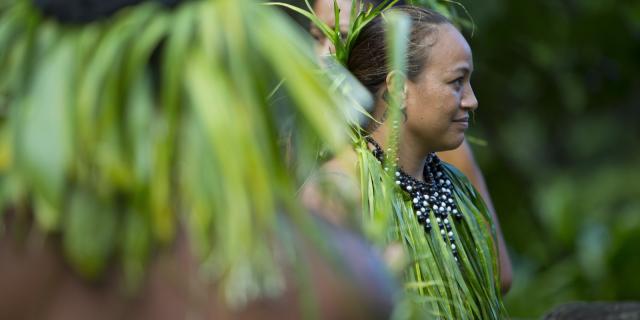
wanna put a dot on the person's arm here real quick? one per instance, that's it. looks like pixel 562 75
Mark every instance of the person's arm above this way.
pixel 343 275
pixel 341 278
pixel 462 158
pixel 333 192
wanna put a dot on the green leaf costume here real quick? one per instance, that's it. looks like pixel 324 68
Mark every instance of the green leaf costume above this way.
pixel 436 284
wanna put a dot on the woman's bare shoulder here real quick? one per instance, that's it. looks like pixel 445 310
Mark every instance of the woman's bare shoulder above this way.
pixel 344 163
pixel 333 190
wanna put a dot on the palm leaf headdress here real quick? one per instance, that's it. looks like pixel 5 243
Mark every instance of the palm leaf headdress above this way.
pixel 115 132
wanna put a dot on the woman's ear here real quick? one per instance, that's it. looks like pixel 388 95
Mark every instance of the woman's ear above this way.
pixel 395 82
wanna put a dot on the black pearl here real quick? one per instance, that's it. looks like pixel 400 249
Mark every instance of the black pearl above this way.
pixel 434 194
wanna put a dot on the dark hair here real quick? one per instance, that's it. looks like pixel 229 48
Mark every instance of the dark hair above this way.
pixel 85 11
pixel 368 57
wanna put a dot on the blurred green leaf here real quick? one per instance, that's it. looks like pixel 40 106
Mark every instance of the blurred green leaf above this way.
pixel 89 234
pixel 44 135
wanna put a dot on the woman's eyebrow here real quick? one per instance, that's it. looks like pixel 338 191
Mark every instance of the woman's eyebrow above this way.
pixel 464 69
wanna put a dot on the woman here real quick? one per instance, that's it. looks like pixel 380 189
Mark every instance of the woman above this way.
pixel 141 176
pixel 461 157
pixel 444 227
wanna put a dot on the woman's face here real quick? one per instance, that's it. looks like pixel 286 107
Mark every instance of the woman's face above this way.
pixel 439 101
pixel 324 11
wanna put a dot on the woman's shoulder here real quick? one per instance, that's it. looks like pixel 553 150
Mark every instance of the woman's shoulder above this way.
pixel 333 190
pixel 345 163
pixel 467 193
pixel 459 179
pixel 341 171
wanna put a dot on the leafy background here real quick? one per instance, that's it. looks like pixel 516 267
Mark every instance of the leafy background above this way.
pixel 559 105
pixel 559 143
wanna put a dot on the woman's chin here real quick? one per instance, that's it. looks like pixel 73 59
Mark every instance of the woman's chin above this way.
pixel 452 143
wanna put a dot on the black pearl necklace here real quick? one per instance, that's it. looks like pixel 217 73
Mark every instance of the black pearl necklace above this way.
pixel 434 194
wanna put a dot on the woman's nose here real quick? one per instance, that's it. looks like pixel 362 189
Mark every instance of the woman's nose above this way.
pixel 469 100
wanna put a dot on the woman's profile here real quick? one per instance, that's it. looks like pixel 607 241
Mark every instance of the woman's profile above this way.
pixel 461 157
pixel 446 230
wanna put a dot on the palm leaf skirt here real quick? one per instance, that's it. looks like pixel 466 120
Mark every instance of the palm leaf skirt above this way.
pixel 436 284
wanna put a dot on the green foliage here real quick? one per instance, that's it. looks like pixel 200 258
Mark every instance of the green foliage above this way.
pixel 435 283
pixel 89 233
pixel 359 17
pixel 120 133
pixel 397 37
pixel 558 94
pixel 453 10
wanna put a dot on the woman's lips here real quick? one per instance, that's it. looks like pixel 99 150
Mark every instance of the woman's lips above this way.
pixel 462 121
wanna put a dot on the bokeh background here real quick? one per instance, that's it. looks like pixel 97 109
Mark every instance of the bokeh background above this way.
pixel 557 136
pixel 559 90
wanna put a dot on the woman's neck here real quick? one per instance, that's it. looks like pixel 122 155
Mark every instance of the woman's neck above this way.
pixel 411 153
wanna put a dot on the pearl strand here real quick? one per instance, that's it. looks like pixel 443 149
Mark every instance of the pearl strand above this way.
pixel 435 195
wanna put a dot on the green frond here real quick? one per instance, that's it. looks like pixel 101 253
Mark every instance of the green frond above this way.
pixel 359 18
pixel 435 284
pixel 124 130
pixel 451 10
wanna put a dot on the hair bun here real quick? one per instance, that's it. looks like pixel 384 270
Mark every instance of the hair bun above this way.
pixel 84 11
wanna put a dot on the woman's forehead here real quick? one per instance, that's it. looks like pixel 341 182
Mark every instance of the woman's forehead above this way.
pixel 450 50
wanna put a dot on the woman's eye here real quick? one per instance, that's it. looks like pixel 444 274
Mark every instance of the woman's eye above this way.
pixel 458 83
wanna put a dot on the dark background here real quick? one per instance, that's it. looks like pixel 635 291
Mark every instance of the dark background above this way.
pixel 559 95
